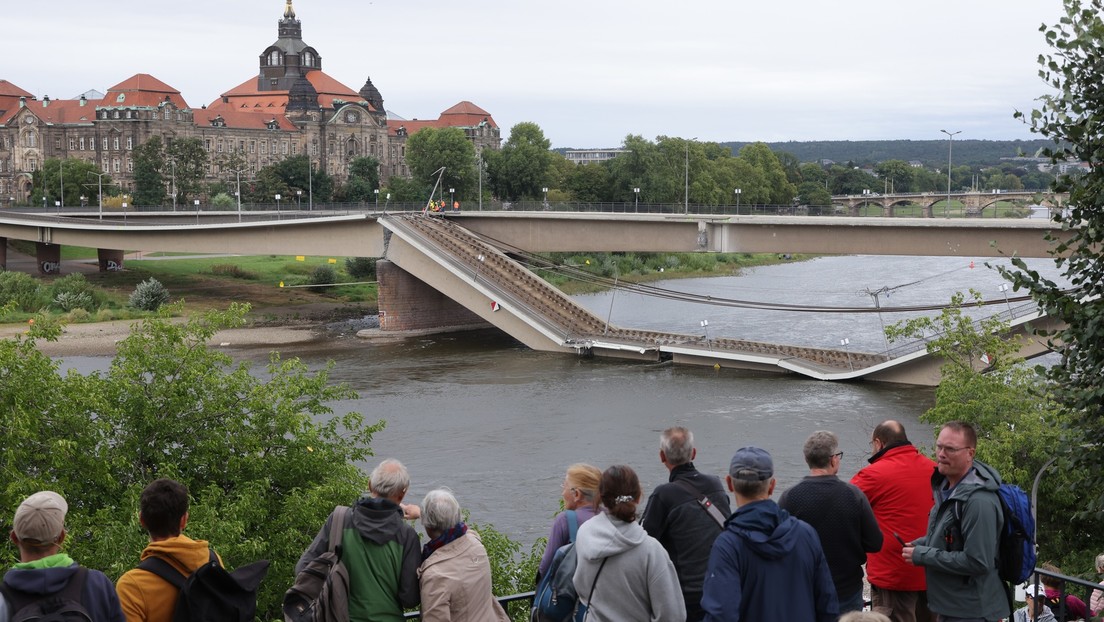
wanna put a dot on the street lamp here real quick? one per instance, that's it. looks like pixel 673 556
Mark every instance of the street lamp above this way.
pixel 278 202
pixel 99 189
pixel 376 192
pixel 845 342
pixel 452 201
pixel 57 204
pixel 1003 287
pixel 950 145
pixel 738 192
pixel 299 199
pixel 173 162
pixel 636 199
pixel 84 201
pixel 545 191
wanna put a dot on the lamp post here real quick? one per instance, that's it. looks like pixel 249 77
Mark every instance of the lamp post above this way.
pixel 452 200
pixel 173 162
pixel 387 202
pixel 57 204
pixel 299 200
pixel 1003 287
pixel 845 342
pixel 686 196
pixel 310 185
pixel 61 178
pixel 84 201
pixel 950 146
pixel 738 192
pixel 376 192
pixel 545 191
pixel 99 189
pixel 636 200
pixel 278 203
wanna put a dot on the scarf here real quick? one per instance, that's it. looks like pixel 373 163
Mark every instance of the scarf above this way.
pixel 448 536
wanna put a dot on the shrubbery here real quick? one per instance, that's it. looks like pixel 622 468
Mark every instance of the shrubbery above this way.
pixel 73 291
pixel 322 275
pixel 23 291
pixel 361 267
pixel 149 295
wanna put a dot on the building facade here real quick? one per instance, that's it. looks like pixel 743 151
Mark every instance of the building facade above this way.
pixel 289 108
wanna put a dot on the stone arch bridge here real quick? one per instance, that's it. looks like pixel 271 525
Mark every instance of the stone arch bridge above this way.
pixel 974 202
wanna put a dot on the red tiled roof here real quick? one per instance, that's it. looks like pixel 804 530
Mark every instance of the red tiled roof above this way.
pixel 464 114
pixel 9 100
pixel 64 111
pixel 246 97
pixel 142 90
pixel 7 89
pixel 242 120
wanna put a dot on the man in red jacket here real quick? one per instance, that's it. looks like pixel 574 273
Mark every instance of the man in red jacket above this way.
pixel 898 485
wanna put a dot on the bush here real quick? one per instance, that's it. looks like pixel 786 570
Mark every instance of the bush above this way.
pixel 223 200
pixel 322 275
pixel 73 291
pixel 231 270
pixel 149 295
pixel 23 291
pixel 361 267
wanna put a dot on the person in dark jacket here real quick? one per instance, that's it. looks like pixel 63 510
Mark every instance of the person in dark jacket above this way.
pixel 676 518
pixel 766 564
pixel 959 552
pixel 380 550
pixel 43 571
pixel 898 485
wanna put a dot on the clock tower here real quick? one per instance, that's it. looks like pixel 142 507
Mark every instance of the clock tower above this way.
pixel 289 58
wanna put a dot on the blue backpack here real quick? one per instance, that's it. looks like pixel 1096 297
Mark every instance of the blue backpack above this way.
pixel 556 599
pixel 1016 545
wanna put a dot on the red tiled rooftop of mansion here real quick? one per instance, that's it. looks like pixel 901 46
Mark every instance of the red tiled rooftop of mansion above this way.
pixel 246 97
pixel 464 114
pixel 142 90
pixel 61 111
pixel 7 89
pixel 242 120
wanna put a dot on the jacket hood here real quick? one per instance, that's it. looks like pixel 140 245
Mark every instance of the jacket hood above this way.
pixel 180 551
pixel 981 476
pixel 767 528
pixel 606 536
pixel 40 580
pixel 377 520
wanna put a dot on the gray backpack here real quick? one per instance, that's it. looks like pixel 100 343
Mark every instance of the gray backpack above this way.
pixel 321 589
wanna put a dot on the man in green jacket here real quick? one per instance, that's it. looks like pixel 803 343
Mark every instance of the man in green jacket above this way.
pixel 959 552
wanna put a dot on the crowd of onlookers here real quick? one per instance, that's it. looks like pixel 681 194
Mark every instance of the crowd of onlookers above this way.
pixel 924 533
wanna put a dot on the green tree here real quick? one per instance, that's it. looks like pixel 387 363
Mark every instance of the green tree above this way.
pixel 189 169
pixel 775 188
pixel 363 180
pixel 149 184
pixel 897 172
pixel 286 176
pixel 77 177
pixel 429 149
pixel 522 167
pixel 1072 116
pixel 265 458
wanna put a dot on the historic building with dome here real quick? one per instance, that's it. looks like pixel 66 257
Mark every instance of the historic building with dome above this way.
pixel 290 108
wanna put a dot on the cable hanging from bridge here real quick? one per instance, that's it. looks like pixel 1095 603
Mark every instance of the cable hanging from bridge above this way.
pixel 532 260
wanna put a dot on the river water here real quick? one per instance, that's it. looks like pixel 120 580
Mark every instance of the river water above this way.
pixel 498 423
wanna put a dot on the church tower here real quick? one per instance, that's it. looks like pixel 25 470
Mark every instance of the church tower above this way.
pixel 288 59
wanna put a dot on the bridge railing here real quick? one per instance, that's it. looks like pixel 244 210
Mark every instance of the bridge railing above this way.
pixel 1069 586
pixel 523 597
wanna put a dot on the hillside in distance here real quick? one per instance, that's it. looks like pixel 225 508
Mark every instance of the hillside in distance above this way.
pixel 933 153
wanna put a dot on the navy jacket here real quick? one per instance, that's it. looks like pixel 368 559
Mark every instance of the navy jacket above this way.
pixel 98 597
pixel 768 565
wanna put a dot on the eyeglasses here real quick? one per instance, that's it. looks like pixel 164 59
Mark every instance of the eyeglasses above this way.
pixel 838 454
pixel 947 449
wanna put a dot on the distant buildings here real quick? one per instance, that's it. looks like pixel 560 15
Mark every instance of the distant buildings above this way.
pixel 291 107
pixel 591 156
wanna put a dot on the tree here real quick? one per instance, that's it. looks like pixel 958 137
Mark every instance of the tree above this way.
pixel 265 459
pixel 76 175
pixel 775 188
pixel 190 168
pixel 288 175
pixel 1073 118
pixel 429 149
pixel 897 172
pixel 521 168
pixel 363 180
pixel 149 185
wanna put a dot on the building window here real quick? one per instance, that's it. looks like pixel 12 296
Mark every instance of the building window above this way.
pixel 130 166
pixel 220 146
pixel 294 148
pixel 115 114
pixel 115 143
pixel 105 143
pixel 32 164
pixel 115 164
pixel 252 146
pixel 130 143
pixel 285 147
pixel 57 143
pixel 82 143
pixel 208 143
pixel 264 146
pixel 168 114
pixel 72 143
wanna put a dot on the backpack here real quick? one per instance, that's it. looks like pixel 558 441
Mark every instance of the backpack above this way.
pixel 62 606
pixel 320 592
pixel 211 592
pixel 1016 551
pixel 555 599
pixel 1016 545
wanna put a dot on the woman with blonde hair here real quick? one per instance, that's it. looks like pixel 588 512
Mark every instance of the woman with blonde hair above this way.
pixel 580 499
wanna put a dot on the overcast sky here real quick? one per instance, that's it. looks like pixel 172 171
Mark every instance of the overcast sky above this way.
pixel 588 72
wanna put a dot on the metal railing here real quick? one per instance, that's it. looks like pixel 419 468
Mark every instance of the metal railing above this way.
pixel 1083 590
pixel 502 600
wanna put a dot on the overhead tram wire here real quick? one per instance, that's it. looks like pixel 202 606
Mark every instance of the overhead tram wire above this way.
pixel 532 260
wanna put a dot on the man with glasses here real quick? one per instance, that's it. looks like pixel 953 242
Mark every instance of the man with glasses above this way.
pixel 840 514
pixel 959 552
pixel 897 482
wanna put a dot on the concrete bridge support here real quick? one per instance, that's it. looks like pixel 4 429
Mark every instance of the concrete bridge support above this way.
pixel 3 253
pixel 110 260
pixel 49 258
pixel 407 303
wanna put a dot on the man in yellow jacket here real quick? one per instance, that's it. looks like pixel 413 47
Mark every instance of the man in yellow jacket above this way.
pixel 163 512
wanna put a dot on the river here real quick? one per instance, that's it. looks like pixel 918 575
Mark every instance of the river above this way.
pixel 498 423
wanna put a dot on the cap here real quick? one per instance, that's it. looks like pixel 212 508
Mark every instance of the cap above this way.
pixel 1034 591
pixel 751 464
pixel 40 518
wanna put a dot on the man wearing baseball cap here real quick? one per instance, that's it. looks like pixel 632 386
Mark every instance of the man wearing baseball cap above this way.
pixel 766 564
pixel 45 577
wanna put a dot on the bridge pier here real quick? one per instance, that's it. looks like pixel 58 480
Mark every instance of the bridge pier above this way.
pixel 49 258
pixel 3 253
pixel 928 211
pixel 407 303
pixel 110 260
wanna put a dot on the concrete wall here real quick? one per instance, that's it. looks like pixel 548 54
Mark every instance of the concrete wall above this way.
pixel 406 303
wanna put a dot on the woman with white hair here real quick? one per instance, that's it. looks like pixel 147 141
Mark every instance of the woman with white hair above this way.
pixel 455 574
pixel 1096 602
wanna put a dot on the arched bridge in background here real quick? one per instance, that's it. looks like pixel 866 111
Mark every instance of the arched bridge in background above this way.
pixel 974 202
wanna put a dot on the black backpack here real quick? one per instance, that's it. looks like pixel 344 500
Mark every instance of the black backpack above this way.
pixel 321 589
pixel 211 592
pixel 61 606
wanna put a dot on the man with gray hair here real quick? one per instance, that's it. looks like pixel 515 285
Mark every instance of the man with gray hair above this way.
pixel 678 517
pixel 379 549
pixel 841 515
pixel 766 564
